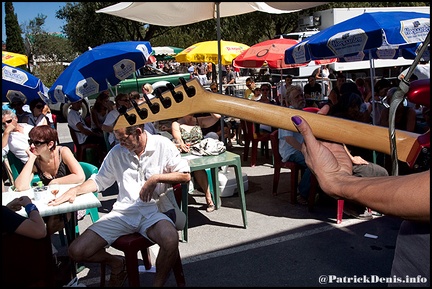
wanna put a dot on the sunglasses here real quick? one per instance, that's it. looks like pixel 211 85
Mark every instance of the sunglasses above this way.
pixel 264 89
pixel 125 138
pixel 7 122
pixel 39 106
pixel 36 143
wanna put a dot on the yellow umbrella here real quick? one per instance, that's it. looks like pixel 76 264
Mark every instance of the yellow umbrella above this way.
pixel 14 59
pixel 207 51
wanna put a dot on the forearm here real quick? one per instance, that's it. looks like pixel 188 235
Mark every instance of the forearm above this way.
pixel 88 186
pixel 405 196
pixel 5 139
pixel 293 142
pixel 68 179
pixel 107 128
pixel 33 227
pixel 22 182
pixel 172 178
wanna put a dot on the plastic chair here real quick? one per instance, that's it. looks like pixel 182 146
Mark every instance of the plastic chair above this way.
pixel 80 149
pixel 88 169
pixel 16 166
pixel 278 164
pixel 131 244
pixel 250 136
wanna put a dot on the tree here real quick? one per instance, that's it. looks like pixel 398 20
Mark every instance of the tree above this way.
pixel 47 52
pixel 14 40
pixel 86 28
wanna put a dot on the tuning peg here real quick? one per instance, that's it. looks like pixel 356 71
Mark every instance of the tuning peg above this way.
pixel 166 101
pixel 131 118
pixel 154 107
pixel 142 112
pixel 177 95
pixel 190 90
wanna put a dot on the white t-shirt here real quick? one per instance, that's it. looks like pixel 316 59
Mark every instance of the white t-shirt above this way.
pixel 74 117
pixel 109 121
pixel 422 71
pixel 18 142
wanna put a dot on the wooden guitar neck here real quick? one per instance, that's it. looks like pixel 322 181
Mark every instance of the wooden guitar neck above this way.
pixel 190 98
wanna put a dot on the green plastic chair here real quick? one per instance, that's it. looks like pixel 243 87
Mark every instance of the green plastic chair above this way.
pixel 90 169
pixel 16 166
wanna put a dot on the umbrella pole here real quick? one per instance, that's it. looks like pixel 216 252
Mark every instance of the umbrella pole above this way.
pixel 372 79
pixel 220 66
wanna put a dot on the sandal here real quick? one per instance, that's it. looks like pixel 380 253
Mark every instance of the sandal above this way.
pixel 117 280
pixel 210 208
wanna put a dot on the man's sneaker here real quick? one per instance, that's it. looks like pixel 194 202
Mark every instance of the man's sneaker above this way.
pixel 353 213
pixel 366 215
pixel 301 200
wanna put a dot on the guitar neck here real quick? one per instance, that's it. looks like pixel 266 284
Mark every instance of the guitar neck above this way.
pixel 324 127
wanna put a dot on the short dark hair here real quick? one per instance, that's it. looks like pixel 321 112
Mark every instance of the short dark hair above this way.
pixel 44 132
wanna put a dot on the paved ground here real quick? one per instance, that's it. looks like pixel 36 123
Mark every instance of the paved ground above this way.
pixel 284 244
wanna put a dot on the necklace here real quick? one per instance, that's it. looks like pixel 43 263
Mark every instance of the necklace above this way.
pixel 45 172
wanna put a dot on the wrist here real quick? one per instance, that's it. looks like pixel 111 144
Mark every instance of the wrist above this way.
pixel 30 207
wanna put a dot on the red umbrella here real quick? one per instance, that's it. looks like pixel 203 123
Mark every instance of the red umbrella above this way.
pixel 270 51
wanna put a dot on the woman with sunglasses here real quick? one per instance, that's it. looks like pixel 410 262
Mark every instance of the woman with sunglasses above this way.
pixel 37 116
pixel 54 164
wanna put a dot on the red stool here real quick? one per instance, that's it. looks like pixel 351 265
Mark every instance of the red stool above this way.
pixel 130 245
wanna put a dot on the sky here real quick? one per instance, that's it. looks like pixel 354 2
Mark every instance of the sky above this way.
pixel 27 11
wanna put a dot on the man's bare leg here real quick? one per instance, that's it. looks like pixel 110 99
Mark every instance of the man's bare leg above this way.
pixel 90 247
pixel 165 235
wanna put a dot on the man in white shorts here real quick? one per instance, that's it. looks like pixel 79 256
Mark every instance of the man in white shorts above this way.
pixel 143 165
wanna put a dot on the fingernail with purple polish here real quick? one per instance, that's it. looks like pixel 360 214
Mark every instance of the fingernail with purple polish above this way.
pixel 297 120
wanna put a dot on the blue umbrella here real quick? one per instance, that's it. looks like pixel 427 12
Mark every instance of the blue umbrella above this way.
pixel 99 68
pixel 408 51
pixel 19 83
pixel 367 34
pixel 363 33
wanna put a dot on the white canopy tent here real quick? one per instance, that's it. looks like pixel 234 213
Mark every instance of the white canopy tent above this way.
pixel 179 13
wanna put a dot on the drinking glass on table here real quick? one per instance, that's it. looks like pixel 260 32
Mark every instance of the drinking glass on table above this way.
pixel 54 188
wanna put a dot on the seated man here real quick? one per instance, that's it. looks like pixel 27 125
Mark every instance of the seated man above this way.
pixel 312 87
pixel 143 165
pixel 15 135
pixel 83 132
pixel 290 146
pixel 121 99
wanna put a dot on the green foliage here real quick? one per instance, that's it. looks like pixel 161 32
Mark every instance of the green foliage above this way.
pixel 14 40
pixel 47 50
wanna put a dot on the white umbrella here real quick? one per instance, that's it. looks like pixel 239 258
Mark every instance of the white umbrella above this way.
pixel 166 50
pixel 183 13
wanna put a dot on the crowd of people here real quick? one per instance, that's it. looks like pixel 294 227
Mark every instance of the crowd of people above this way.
pixel 145 160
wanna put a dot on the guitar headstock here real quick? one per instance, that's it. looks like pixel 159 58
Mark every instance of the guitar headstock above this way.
pixel 187 98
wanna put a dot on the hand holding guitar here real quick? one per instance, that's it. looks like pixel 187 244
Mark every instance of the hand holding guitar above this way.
pixel 406 196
